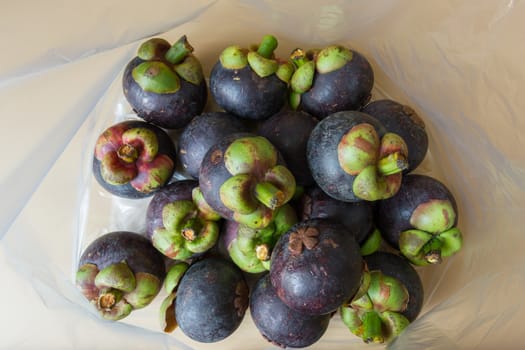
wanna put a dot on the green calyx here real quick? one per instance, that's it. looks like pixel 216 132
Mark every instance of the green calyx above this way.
pixel 375 162
pixel 251 249
pixel 236 194
pixel 167 319
pixel 374 312
pixel 302 79
pixel 205 211
pixel 184 233
pixel 142 143
pixel 434 235
pixel 372 243
pixel 332 58
pixel 116 276
pixel 262 66
pixel 233 57
pixel 252 154
pixel 156 77
pixel 148 286
pixel 154 48
pixel 190 70
pixel 174 275
pixel 259 218
pixel 424 248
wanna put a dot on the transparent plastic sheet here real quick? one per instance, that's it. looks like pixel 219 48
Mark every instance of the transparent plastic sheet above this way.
pixel 457 63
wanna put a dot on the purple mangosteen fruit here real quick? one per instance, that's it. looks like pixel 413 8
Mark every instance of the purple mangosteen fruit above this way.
pixel 404 121
pixel 316 266
pixel 421 220
pixel 353 158
pixel 211 300
pixel 164 83
pixel 289 131
pixel 243 178
pixel 250 248
pixel 133 159
pixel 330 80
pixel 179 223
pixel 389 298
pixel 120 272
pixel 252 83
pixel 278 323
pixel 201 133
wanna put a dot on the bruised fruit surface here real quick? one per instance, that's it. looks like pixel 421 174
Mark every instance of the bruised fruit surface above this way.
pixel 421 220
pixel 179 225
pixel 212 298
pixel 120 272
pixel 280 324
pixel 316 266
pixel 164 83
pixel 133 159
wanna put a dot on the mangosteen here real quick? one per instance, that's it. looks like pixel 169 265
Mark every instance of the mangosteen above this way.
pixel 133 159
pixel 201 133
pixel 281 325
pixel 404 121
pixel 164 83
pixel 421 220
pixel 289 131
pixel 251 248
pixel 353 158
pixel 390 297
pixel 316 266
pixel 120 272
pixel 251 83
pixel 330 80
pixel 179 223
pixel 243 178
pixel 211 301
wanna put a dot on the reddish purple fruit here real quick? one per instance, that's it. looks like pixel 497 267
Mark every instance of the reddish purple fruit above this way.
pixel 316 266
pixel 421 220
pixel 280 324
pixel 120 272
pixel 164 84
pixel 133 159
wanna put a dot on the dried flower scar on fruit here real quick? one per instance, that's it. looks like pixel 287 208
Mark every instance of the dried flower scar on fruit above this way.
pixel 120 272
pixel 164 83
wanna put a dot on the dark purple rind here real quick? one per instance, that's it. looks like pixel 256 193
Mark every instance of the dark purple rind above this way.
pixel 201 133
pixel 346 88
pixel 243 93
pixel 166 146
pixel 321 152
pixel 170 111
pixel 209 307
pixel 318 280
pixel 402 120
pixel 176 191
pixel 280 324
pixel 393 214
pixel 400 268
pixel 115 247
pixel 357 217
pixel 289 131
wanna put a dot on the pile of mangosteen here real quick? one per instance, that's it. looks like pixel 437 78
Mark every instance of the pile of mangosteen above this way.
pixel 295 199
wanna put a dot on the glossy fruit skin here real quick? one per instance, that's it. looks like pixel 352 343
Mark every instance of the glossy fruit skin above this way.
pixel 201 133
pixel 393 214
pixel 322 157
pixel 280 324
pixel 404 121
pixel 318 280
pixel 289 131
pixel 243 93
pixel 166 147
pixel 400 268
pixel 212 298
pixel 170 110
pixel 346 88
pixel 357 217
pixel 115 247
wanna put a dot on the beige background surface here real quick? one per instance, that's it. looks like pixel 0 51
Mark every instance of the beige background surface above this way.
pixel 458 63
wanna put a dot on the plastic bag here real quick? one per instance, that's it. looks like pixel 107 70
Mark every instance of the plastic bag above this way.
pixel 457 63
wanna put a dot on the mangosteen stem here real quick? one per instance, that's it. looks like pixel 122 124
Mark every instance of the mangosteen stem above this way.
pixel 392 164
pixel 432 251
pixel 127 153
pixel 372 328
pixel 267 46
pixel 191 228
pixel 269 195
pixel 108 298
pixel 299 57
pixel 179 50
pixel 262 251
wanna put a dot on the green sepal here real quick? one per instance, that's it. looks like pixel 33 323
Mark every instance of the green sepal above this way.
pixel 154 48
pixel 351 319
pixel 114 172
pixel 371 186
pixel 236 194
pixel 259 218
pixel 332 58
pixel 116 276
pixel 358 148
pixel 205 211
pixel 167 320
pixel 142 139
pixel 387 292
pixel 85 280
pixel 156 77
pixel 174 275
pixel 148 286
pixel 233 57
pixel 372 243
pixel 452 242
pixel 411 244
pixel 190 70
pixel 282 178
pixel 262 66
pixel 285 72
pixel 294 99
pixel 205 238
pixel 303 77
pixel 119 311
pixel 434 216
pixel 394 324
pixel 250 154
